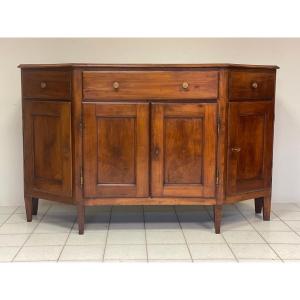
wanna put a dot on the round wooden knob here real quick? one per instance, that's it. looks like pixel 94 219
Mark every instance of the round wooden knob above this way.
pixel 43 84
pixel 236 149
pixel 185 85
pixel 255 85
pixel 116 85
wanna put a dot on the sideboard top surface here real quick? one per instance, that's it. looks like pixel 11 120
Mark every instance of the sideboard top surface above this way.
pixel 149 66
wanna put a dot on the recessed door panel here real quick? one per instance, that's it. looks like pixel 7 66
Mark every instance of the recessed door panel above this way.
pixel 183 150
pixel 116 150
pixel 250 146
pixel 47 147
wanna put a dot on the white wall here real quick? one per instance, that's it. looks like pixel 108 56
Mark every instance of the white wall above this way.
pixel 283 52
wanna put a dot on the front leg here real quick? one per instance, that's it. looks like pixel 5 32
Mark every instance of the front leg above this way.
pixel 80 217
pixel 217 218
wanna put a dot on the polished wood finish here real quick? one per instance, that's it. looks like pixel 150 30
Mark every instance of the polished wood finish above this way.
pixel 46 84
pixel 250 146
pixel 136 85
pixel 148 134
pixel 183 150
pixel 258 202
pixel 116 150
pixel 251 85
pixel 47 148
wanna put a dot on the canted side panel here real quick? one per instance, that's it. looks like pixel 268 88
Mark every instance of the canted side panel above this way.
pixel 251 140
pixel 250 147
pixel 47 148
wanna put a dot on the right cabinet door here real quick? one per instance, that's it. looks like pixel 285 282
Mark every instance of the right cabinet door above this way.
pixel 250 146
pixel 183 138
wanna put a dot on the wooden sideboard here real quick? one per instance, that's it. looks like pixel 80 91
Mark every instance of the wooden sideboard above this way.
pixel 100 134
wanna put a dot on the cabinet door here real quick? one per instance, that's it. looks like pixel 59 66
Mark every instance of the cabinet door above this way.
pixel 47 148
pixel 116 149
pixel 250 146
pixel 183 150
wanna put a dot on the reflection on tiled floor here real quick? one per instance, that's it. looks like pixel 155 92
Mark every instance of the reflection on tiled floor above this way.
pixel 151 233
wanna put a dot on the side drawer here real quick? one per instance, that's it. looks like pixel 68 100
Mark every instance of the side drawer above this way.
pixel 247 85
pixel 46 84
pixel 136 85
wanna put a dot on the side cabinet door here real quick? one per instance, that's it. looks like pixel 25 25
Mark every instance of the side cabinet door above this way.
pixel 250 146
pixel 47 148
pixel 116 149
pixel 183 150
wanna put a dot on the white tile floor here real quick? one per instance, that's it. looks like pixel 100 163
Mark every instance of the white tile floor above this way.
pixel 151 233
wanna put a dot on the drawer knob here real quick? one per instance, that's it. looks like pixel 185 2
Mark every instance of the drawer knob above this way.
pixel 255 85
pixel 116 85
pixel 185 85
pixel 236 149
pixel 43 85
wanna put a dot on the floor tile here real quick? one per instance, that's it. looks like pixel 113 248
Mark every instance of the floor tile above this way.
pixel 39 253
pixel 126 237
pixel 8 253
pixel 268 261
pixel 16 228
pixel 285 206
pixel 82 253
pixel 253 251
pixel 4 218
pixel 165 237
pixel 52 227
pixel 217 251
pixel 287 251
pixel 41 210
pixel 168 252
pixel 127 225
pixel 125 261
pixel 270 226
pixel 162 226
pixel 88 238
pixel 251 216
pixel 233 223
pixel 195 217
pixel 12 239
pixel 281 237
pixel 170 261
pixel 205 226
pixel 287 215
pixel 159 208
pixel 127 217
pixel 216 260
pixel 91 227
pixel 21 218
pixel 160 217
pixel 295 225
pixel 125 252
pixel 194 236
pixel 6 210
pixel 247 237
pixel 97 209
pixel 47 239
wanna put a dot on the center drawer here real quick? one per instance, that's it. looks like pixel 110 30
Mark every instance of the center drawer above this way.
pixel 137 85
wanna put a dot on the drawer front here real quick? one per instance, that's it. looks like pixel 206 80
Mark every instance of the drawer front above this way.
pixel 135 85
pixel 46 84
pixel 251 85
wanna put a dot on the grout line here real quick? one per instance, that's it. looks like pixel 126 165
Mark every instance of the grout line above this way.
pixel 183 234
pixel 22 246
pixel 145 233
pixel 259 233
pixel 104 250
pixel 64 245
pixel 283 221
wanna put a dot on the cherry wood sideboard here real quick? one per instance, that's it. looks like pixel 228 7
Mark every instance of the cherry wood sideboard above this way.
pixel 148 134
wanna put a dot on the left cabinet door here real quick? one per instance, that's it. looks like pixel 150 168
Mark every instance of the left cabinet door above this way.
pixel 116 149
pixel 47 148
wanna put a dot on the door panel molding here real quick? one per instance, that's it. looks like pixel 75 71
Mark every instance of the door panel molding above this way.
pixel 193 138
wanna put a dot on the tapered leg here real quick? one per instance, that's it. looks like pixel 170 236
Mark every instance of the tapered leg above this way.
pixel 35 205
pixel 266 208
pixel 28 208
pixel 258 204
pixel 80 218
pixel 217 217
